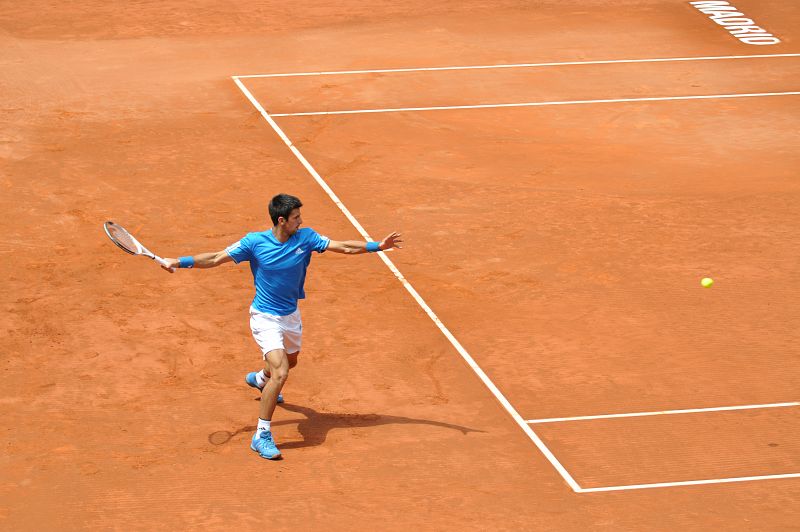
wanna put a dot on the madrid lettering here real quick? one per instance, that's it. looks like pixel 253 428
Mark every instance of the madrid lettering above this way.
pixel 741 27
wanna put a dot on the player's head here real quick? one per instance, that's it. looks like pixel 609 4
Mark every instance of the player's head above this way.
pixel 284 206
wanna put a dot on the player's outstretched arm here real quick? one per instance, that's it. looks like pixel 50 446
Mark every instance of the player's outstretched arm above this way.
pixel 355 247
pixel 203 260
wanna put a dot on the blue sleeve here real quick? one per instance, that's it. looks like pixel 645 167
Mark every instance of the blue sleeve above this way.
pixel 241 250
pixel 317 242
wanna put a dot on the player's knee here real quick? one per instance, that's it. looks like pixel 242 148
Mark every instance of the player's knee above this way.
pixel 280 375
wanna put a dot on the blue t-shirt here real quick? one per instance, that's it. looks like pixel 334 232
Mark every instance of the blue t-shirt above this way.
pixel 279 269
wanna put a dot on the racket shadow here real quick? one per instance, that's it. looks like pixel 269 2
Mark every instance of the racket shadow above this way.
pixel 314 428
pixel 221 437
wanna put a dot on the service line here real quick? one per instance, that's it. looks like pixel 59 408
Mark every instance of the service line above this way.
pixel 687 483
pixel 516 65
pixel 538 104
pixel 662 412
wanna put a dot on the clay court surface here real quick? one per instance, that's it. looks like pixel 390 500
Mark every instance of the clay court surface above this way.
pixel 561 245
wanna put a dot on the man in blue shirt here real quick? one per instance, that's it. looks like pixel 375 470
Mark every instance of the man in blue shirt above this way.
pixel 278 260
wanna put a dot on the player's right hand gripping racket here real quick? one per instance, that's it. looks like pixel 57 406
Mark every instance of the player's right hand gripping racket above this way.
pixel 129 244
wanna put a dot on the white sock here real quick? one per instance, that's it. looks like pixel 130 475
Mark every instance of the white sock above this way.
pixel 261 379
pixel 263 424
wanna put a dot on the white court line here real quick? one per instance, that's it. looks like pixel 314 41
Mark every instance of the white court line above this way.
pixel 668 412
pixel 687 483
pixel 538 104
pixel 662 412
pixel 456 344
pixel 517 65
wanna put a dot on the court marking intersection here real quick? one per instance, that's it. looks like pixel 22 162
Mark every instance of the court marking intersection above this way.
pixel 524 424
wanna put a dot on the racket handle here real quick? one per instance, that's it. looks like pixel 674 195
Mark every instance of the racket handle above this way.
pixel 163 263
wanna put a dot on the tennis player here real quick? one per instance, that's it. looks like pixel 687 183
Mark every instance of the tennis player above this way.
pixel 278 260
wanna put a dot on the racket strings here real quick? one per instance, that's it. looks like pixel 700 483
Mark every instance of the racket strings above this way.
pixel 123 238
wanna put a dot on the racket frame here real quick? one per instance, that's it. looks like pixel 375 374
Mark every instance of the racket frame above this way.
pixel 141 250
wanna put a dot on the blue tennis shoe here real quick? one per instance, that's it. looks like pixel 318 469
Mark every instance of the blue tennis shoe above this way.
pixel 251 380
pixel 263 444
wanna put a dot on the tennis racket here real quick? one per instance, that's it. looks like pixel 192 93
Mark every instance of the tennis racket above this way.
pixel 127 243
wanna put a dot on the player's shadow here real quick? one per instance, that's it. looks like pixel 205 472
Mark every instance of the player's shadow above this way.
pixel 314 428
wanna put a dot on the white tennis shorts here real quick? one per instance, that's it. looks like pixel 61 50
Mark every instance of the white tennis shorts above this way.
pixel 276 332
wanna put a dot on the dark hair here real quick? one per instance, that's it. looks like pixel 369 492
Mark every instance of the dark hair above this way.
pixel 282 205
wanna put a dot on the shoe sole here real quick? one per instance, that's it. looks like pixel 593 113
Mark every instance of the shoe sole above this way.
pixel 275 457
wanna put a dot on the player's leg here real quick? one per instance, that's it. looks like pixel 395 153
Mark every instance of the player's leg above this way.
pixel 291 337
pixel 264 373
pixel 267 334
pixel 258 379
pixel 277 363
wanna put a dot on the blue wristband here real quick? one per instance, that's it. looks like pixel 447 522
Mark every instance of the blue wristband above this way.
pixel 186 262
pixel 373 246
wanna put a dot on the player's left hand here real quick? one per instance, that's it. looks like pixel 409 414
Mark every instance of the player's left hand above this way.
pixel 392 241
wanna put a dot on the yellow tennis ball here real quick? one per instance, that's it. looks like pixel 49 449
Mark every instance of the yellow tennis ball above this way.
pixel 707 282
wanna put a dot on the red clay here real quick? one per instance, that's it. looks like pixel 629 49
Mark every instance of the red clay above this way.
pixel 563 246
